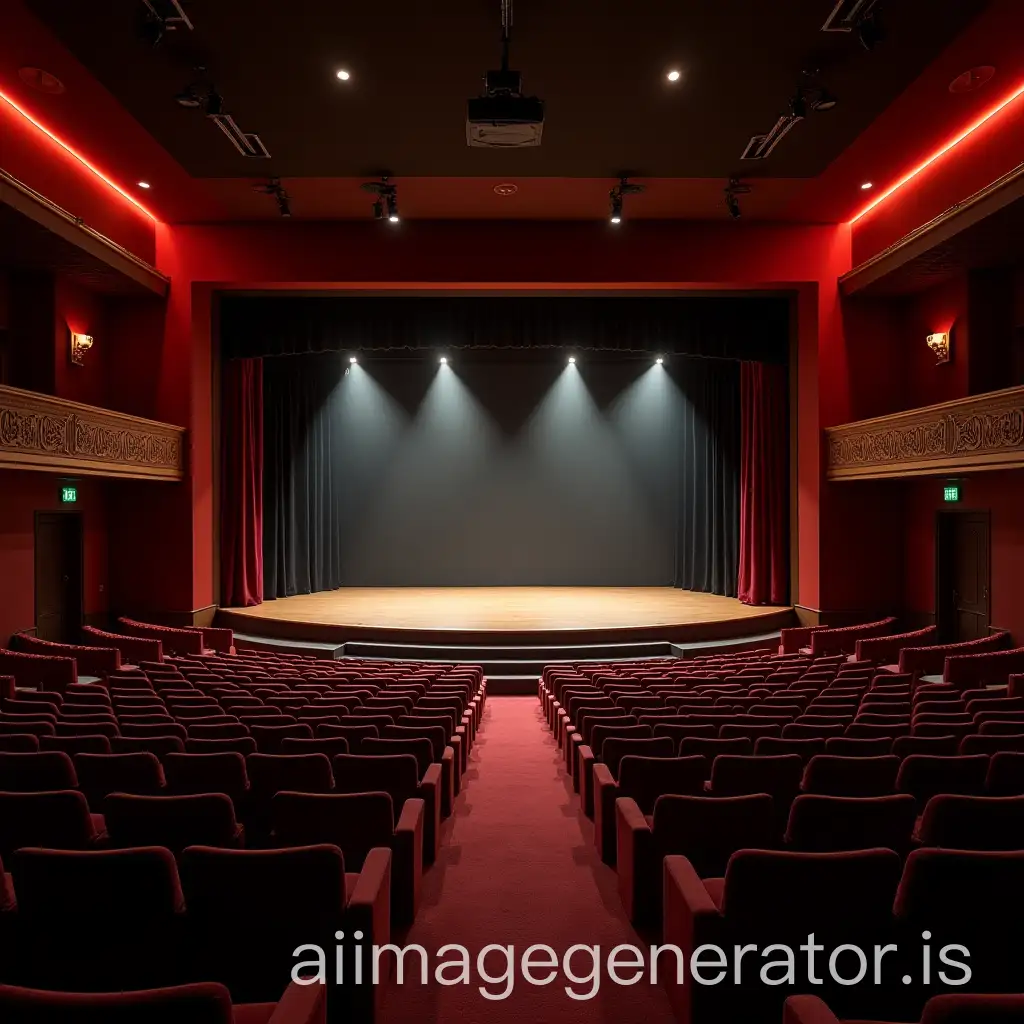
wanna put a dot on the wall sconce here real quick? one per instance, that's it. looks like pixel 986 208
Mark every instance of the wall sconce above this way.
pixel 80 344
pixel 939 344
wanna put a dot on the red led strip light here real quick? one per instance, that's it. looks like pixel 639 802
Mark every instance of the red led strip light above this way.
pixel 951 144
pixel 78 156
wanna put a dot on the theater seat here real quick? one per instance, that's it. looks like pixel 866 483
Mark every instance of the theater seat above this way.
pixel 826 824
pixel 706 830
pixel 925 775
pixel 102 774
pixel 270 774
pixel 58 819
pixel 768 897
pixel 125 905
pixel 204 1003
pixel 829 775
pixel 358 823
pixel 202 819
pixel 248 910
pixel 397 775
pixel 944 1009
pixel 1005 774
pixel 973 822
pixel 207 773
pixel 643 779
pixel 36 772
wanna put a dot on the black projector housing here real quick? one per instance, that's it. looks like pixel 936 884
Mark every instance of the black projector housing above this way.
pixel 503 118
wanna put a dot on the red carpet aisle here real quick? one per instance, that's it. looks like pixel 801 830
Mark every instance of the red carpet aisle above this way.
pixel 520 868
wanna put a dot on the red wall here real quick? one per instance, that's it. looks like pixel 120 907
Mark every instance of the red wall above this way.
pixel 1002 494
pixel 24 494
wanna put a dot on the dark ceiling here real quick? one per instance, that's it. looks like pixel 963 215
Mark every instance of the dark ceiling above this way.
pixel 599 66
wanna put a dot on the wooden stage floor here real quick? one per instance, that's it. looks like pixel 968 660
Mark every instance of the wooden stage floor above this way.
pixel 506 614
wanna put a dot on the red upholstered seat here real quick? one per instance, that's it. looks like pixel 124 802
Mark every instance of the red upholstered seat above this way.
pixel 1005 773
pixel 133 649
pixel 358 823
pixel 925 775
pixel 204 1003
pixel 829 775
pixel 959 1008
pixel 91 661
pixel 248 910
pixel 42 671
pixel 36 772
pixel 205 819
pixel 58 818
pixel 642 779
pixel 126 904
pixel 973 822
pixel 774 897
pixel 824 824
pixel 706 830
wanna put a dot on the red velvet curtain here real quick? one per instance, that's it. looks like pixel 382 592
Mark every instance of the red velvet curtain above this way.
pixel 241 493
pixel 764 485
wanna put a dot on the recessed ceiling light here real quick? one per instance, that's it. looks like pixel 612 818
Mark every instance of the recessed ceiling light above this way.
pixel 143 184
pixel 41 80
pixel 342 75
pixel 673 75
pixel 867 184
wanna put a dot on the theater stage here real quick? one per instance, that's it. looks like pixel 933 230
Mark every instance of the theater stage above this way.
pixel 506 615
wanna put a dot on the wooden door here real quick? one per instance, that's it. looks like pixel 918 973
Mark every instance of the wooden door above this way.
pixel 963 576
pixel 58 563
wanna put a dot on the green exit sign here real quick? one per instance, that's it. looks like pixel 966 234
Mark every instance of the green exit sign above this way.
pixel 951 492
pixel 68 494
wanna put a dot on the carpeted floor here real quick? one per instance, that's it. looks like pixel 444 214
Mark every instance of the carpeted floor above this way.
pixel 519 867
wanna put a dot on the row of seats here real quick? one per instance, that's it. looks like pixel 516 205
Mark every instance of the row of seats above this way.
pixel 115 920
pixel 818 832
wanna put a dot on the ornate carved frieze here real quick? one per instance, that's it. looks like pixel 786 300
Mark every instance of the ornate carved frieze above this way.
pixel 968 435
pixel 50 434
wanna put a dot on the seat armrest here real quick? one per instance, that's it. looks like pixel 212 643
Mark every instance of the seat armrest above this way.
pixel 301 1004
pixel 370 902
pixel 449 781
pixel 430 788
pixel 634 846
pixel 408 864
pixel 585 761
pixel 606 789
pixel 689 913
pixel 807 1010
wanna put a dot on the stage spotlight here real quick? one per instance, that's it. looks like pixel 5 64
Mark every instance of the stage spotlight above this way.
pixel 444 360
pixel 733 190
pixel 660 360
pixel 385 198
pixel 392 203
pixel 572 360
pixel 624 188
pixel 353 360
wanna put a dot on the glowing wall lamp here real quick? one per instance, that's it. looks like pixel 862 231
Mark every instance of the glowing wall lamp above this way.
pixel 939 344
pixel 80 344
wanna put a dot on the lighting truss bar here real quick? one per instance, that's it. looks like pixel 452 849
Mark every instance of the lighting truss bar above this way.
pixel 247 145
pixel 846 14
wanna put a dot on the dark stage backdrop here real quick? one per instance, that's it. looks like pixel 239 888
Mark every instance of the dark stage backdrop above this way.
pixel 507 468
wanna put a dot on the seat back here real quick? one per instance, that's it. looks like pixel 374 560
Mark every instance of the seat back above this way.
pixel 249 910
pixel 205 1003
pixel 973 822
pixel 825 824
pixel 174 822
pixel 647 778
pixel 421 749
pixel 206 773
pixel 128 903
pixel 708 830
pixel 847 893
pixel 1005 774
pixel 394 774
pixel 101 774
pixel 925 775
pixel 615 748
pixel 303 773
pixel 36 772
pixel 353 822
pixel 768 746
pixel 829 775
pixel 738 774
pixel 58 819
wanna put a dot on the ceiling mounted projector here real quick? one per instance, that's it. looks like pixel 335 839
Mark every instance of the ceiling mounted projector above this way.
pixel 503 118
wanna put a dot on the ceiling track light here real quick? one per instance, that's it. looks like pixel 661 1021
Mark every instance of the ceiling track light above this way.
pixel 273 187
pixel 760 147
pixel 624 188
pixel 733 190
pixel 161 17
pixel 203 95
pixel 386 201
